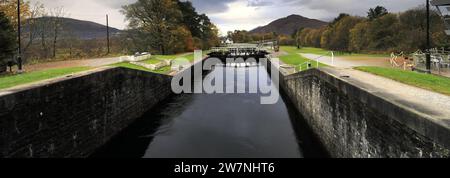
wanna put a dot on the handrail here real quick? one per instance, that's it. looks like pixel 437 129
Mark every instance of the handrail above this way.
pixel 317 60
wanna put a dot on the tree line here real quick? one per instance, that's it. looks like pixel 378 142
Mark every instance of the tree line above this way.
pixel 379 32
pixel 157 26
pixel 168 26
pixel 243 36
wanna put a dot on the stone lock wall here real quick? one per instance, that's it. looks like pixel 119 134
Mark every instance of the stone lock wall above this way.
pixel 351 122
pixel 72 117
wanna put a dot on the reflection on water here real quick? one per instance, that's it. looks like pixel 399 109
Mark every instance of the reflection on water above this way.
pixel 213 126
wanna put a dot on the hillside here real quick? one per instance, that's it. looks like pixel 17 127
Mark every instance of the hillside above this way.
pixel 82 29
pixel 289 25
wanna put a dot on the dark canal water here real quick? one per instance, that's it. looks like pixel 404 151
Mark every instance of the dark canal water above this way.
pixel 217 126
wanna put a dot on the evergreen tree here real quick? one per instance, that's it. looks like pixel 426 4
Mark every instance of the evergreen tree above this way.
pixel 376 12
pixel 7 39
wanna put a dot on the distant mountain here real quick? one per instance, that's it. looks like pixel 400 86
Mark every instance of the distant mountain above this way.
pixel 289 25
pixel 83 29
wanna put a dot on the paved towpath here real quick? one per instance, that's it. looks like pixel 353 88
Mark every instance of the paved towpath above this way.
pixel 423 101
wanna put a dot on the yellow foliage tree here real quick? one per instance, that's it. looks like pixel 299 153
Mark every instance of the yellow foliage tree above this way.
pixel 9 7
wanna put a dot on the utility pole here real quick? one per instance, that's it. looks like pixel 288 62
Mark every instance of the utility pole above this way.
pixel 428 51
pixel 19 50
pixel 107 32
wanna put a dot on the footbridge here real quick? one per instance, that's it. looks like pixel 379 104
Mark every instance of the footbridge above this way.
pixel 239 50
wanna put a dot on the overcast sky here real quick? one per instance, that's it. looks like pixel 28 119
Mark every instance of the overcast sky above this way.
pixel 234 14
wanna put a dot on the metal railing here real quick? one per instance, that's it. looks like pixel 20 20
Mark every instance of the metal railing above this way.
pixel 316 60
pixel 440 60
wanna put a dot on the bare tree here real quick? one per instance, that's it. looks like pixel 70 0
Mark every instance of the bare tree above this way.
pixel 32 25
pixel 43 28
pixel 57 16
pixel 69 41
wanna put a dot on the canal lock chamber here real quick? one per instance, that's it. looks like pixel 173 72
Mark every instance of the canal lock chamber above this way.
pixel 219 125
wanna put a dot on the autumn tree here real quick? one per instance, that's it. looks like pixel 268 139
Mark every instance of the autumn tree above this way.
pixel 413 24
pixel 199 25
pixel 359 37
pixel 285 40
pixel 302 36
pixel 297 36
pixel 315 37
pixel 211 37
pixel 240 36
pixel 325 38
pixel 383 33
pixel 9 8
pixel 180 41
pixel 338 18
pixel 156 19
pixel 340 33
pixel 380 31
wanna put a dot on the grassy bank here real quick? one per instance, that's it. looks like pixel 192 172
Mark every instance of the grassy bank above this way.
pixel 8 81
pixel 155 59
pixel 130 66
pixel 294 58
pixel 429 82
pixel 164 70
pixel 187 56
pixel 299 61
pixel 323 52
pixel 158 58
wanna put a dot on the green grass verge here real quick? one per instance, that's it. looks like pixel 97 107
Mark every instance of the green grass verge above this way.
pixel 426 81
pixel 155 59
pixel 8 81
pixel 165 57
pixel 158 58
pixel 294 58
pixel 164 70
pixel 152 61
pixel 299 61
pixel 189 57
pixel 131 66
pixel 320 51
pixel 293 49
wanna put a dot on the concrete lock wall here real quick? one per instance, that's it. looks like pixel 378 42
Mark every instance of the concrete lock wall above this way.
pixel 72 117
pixel 352 122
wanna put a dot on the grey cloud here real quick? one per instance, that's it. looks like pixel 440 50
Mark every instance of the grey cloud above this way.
pixel 259 3
pixel 267 10
pixel 115 4
pixel 205 6
pixel 354 6
pixel 212 6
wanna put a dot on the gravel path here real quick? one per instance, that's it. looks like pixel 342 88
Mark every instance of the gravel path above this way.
pixel 97 62
pixel 350 62
pixel 421 100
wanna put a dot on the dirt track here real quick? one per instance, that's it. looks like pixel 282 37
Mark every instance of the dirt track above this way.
pixel 72 63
